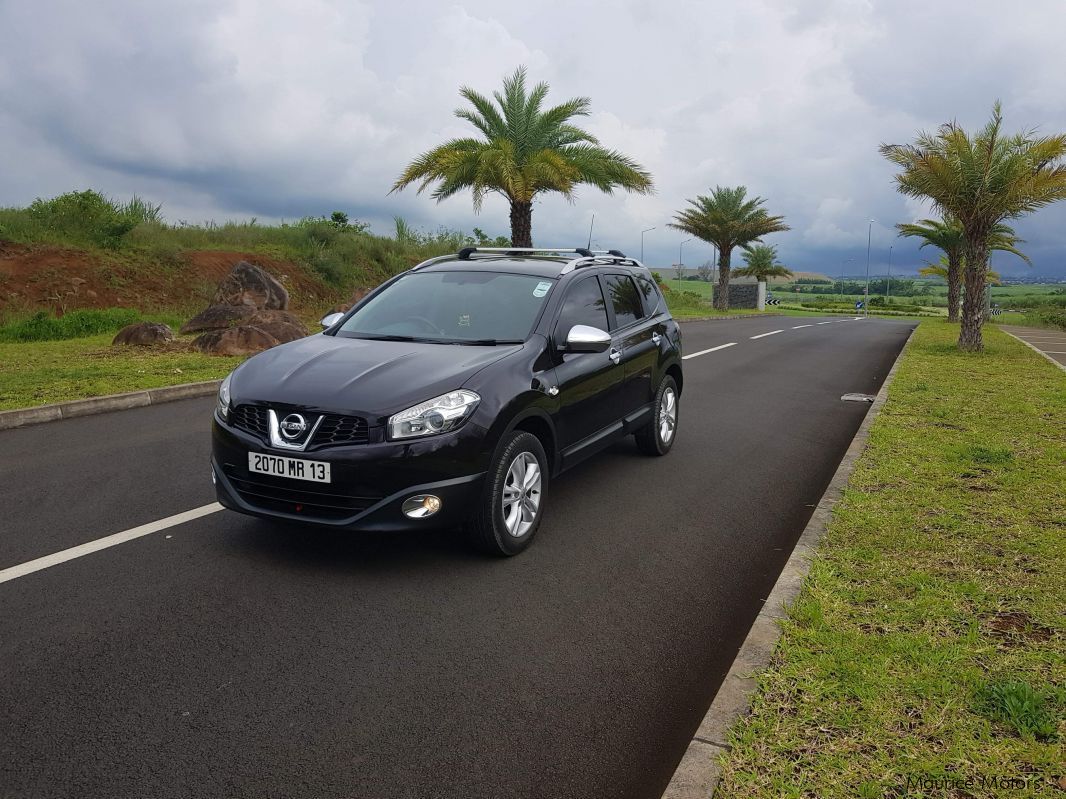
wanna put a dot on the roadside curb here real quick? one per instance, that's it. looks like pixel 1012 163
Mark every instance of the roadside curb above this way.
pixel 726 318
pixel 1034 349
pixel 698 773
pixel 23 417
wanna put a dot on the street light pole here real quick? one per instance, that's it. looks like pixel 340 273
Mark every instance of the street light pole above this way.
pixel 642 242
pixel 866 296
pixel 842 265
pixel 888 288
pixel 680 262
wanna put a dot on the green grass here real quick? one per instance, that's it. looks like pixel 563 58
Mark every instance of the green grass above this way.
pixel 43 326
pixel 38 373
pixel 928 640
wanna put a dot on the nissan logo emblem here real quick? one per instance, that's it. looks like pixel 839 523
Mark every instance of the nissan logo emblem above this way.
pixel 293 426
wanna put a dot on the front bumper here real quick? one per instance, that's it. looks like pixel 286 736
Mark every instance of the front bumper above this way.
pixel 369 481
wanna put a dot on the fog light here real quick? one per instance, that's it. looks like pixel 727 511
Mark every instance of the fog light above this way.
pixel 420 506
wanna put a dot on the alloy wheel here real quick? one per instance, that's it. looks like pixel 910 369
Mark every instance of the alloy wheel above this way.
pixel 521 494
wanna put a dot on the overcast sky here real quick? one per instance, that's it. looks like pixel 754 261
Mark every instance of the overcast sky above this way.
pixel 224 109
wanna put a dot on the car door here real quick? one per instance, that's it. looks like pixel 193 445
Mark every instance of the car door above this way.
pixel 589 383
pixel 638 339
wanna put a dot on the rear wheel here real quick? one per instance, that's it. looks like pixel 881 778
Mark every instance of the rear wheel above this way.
pixel 512 501
pixel 657 437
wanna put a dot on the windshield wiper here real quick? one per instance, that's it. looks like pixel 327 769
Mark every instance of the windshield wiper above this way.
pixel 486 342
pixel 394 337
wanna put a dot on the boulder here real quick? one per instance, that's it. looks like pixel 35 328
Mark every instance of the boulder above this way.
pixel 241 340
pixel 144 334
pixel 218 317
pixel 282 325
pixel 250 285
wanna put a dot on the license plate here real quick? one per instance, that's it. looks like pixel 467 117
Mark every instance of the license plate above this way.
pixel 295 468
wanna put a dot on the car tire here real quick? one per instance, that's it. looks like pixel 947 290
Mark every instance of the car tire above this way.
pixel 512 501
pixel 658 436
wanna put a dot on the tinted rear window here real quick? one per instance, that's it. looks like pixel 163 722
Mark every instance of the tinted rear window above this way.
pixel 625 299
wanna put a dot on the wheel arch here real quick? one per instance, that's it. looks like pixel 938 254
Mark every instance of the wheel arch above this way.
pixel 538 423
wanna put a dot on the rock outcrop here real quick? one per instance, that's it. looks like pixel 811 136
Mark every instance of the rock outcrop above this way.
pixel 242 340
pixel 218 317
pixel 249 314
pixel 144 334
pixel 251 286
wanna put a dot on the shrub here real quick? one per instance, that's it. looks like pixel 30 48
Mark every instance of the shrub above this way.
pixel 84 322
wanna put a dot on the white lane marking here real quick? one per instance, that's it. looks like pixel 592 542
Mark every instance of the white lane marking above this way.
pixel 1052 352
pixel 825 323
pixel 797 327
pixel 853 319
pixel 712 349
pixel 763 335
pixel 31 566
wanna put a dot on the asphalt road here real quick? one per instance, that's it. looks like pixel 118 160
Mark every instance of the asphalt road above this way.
pixel 227 657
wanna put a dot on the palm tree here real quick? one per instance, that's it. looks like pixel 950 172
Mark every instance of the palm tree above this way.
pixel 946 234
pixel 980 180
pixel 521 152
pixel 761 263
pixel 727 219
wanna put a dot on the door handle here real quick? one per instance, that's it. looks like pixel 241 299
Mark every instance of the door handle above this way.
pixel 616 356
pixel 656 338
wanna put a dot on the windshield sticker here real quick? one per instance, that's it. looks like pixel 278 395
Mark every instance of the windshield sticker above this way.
pixel 464 320
pixel 542 288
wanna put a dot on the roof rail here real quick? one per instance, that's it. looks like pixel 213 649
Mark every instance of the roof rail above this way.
pixel 466 252
pixel 600 258
pixel 585 257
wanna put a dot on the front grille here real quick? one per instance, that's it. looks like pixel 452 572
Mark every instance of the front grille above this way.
pixel 335 430
pixel 279 494
pixel 252 419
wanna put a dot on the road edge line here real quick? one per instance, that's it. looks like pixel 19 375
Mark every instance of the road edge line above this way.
pixel 732 318
pixel 697 774
pixel 1033 348
pixel 55 412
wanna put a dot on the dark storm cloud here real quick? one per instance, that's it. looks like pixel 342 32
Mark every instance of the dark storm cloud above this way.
pixel 239 108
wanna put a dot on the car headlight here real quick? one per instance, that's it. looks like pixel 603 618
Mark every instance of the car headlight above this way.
pixel 438 415
pixel 222 408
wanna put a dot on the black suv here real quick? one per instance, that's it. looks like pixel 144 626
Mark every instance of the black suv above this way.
pixel 452 395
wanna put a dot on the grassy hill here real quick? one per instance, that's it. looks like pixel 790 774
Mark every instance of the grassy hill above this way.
pixel 83 250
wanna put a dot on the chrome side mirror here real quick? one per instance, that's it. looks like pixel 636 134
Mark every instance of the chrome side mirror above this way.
pixel 329 320
pixel 584 338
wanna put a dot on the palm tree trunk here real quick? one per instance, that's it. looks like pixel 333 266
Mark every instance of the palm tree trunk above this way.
pixel 973 302
pixel 521 224
pixel 721 291
pixel 954 286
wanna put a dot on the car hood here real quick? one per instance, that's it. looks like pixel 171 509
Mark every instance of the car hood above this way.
pixel 359 376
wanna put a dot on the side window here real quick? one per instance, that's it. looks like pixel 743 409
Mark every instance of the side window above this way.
pixel 652 301
pixel 583 305
pixel 625 299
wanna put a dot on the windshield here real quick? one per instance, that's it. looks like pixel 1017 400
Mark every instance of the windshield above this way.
pixel 453 307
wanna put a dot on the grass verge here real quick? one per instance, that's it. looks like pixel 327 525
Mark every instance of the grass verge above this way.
pixel 925 656
pixel 37 373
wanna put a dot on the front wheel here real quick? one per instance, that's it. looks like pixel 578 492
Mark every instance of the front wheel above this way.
pixel 658 435
pixel 512 501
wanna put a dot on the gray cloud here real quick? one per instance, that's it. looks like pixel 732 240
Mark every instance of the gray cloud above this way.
pixel 235 108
